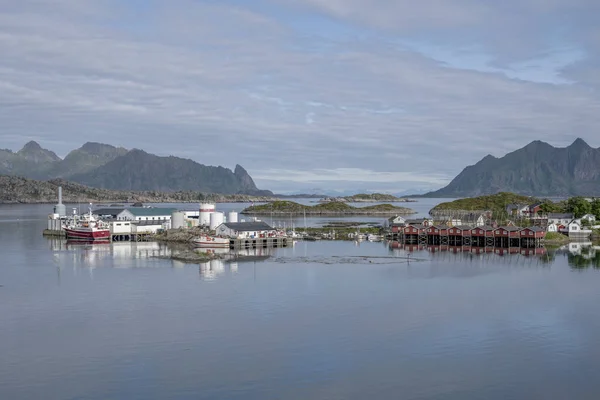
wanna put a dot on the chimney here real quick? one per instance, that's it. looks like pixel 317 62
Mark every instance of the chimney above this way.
pixel 60 195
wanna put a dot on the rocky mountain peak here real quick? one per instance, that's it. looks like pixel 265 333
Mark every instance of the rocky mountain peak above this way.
pixel 33 152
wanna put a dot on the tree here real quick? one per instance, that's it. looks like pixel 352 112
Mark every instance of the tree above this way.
pixel 595 205
pixel 579 206
pixel 550 207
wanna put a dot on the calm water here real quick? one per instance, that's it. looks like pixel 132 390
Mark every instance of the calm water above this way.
pixel 321 320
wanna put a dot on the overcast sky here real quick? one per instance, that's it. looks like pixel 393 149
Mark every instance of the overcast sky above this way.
pixel 382 95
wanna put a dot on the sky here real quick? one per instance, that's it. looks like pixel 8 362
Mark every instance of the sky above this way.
pixel 308 95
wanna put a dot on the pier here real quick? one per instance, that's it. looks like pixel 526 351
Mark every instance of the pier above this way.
pixel 254 243
pixel 478 237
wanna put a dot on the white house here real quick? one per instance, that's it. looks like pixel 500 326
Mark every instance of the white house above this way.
pixel 397 220
pixel 590 217
pixel 519 210
pixel 575 229
pixel 560 219
pixel 243 230
pixel 146 214
pixel 552 228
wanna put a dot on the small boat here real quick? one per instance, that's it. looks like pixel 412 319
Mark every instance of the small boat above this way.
pixel 87 229
pixel 374 238
pixel 210 241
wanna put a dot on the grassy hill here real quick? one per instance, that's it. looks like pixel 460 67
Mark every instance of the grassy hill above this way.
pixel 331 208
pixel 480 203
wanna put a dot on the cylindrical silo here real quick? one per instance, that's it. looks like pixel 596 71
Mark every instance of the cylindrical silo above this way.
pixel 177 220
pixel 206 209
pixel 232 216
pixel 216 219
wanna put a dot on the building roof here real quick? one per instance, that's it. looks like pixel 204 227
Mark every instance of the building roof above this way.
pixel 417 226
pixel 463 227
pixel 417 221
pixel 112 211
pixel 560 215
pixel 486 228
pixel 442 226
pixel 150 211
pixel 535 229
pixel 510 228
pixel 249 226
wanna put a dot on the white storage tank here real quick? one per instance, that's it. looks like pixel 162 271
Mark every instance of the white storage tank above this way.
pixel 232 216
pixel 178 220
pixel 206 209
pixel 216 219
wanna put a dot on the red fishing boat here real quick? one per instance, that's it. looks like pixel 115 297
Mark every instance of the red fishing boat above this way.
pixel 88 228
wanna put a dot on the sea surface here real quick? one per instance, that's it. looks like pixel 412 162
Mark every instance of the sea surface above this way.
pixel 319 320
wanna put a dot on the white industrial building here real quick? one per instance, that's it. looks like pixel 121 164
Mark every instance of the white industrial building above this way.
pixel 243 230
pixel 146 214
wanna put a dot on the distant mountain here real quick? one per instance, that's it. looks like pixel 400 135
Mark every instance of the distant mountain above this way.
pixel 104 166
pixel 537 169
pixel 138 170
pixel 86 158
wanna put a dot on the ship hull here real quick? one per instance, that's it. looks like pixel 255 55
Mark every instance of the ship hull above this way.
pixel 87 234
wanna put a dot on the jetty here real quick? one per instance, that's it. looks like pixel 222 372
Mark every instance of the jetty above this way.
pixel 468 235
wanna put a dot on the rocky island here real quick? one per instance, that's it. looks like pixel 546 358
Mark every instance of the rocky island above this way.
pixel 290 208
pixel 366 198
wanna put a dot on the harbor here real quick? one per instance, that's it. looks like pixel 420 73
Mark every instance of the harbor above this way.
pixel 204 227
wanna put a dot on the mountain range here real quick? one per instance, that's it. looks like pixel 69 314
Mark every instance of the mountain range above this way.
pixel 108 167
pixel 537 169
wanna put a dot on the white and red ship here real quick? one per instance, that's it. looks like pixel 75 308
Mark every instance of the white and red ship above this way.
pixel 88 228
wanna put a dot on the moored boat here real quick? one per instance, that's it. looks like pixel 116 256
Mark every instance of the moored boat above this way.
pixel 88 229
pixel 210 241
pixel 374 238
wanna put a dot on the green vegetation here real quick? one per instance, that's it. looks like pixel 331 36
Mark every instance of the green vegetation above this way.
pixel 331 208
pixel 579 206
pixel 374 197
pixel 495 201
pixel 556 238
pixel 588 258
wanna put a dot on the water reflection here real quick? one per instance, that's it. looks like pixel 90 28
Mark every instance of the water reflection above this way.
pixel 141 254
pixel 582 255
pixel 229 261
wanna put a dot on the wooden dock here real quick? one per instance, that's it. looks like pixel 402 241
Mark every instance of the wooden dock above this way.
pixel 479 236
pixel 254 243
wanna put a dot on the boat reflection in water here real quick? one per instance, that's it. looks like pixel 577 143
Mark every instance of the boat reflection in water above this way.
pixel 106 254
pixel 94 254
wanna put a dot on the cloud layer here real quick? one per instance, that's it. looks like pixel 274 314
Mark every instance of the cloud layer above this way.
pixel 304 94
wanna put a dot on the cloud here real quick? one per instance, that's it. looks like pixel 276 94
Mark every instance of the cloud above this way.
pixel 223 84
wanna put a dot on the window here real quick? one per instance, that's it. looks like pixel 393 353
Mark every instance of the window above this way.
pixel 118 224
pixel 497 232
pixel 530 233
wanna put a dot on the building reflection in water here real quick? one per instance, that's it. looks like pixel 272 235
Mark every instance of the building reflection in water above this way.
pixel 230 260
pixel 104 253
pixel 140 254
